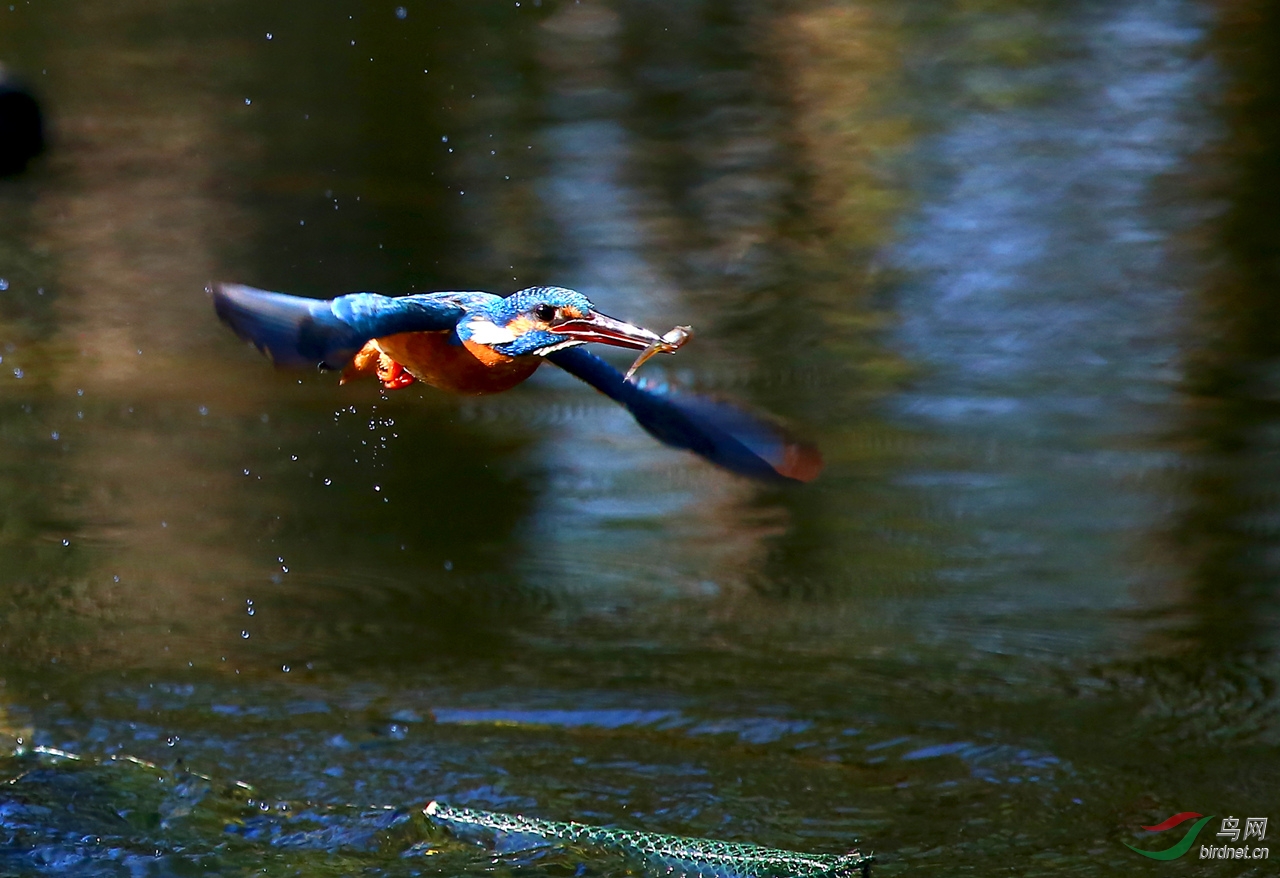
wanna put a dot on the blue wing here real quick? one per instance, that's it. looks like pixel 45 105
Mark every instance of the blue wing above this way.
pixel 295 331
pixel 722 433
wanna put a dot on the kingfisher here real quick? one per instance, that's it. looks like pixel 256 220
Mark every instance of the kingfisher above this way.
pixel 477 343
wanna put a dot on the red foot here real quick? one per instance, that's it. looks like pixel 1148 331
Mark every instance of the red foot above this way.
pixel 392 375
pixel 371 359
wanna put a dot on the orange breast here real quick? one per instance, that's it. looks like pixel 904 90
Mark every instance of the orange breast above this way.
pixel 465 368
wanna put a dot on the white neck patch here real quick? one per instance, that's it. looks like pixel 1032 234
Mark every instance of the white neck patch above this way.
pixel 487 332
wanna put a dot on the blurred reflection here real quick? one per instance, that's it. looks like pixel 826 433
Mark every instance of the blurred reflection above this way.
pixel 1226 529
pixel 947 242
pixel 607 479
pixel 129 210
pixel 1046 302
pixel 686 175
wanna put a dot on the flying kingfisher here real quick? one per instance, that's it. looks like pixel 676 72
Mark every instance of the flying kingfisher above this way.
pixel 477 343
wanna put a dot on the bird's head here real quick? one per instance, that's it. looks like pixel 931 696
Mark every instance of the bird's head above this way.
pixel 541 320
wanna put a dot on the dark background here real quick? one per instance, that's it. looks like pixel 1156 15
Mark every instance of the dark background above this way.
pixel 1013 266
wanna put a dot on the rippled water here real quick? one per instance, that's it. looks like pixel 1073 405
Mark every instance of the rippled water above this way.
pixel 1011 266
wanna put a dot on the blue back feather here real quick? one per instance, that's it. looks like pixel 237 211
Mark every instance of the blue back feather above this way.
pixel 297 331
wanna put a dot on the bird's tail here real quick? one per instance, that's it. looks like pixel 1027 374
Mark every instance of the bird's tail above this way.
pixel 292 330
pixel 723 433
pixel 732 437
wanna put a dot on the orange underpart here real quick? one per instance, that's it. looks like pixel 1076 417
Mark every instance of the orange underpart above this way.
pixel 474 369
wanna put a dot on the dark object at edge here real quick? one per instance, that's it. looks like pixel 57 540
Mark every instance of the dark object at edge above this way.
pixel 21 127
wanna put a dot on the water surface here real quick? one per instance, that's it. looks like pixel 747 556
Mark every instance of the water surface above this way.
pixel 1011 266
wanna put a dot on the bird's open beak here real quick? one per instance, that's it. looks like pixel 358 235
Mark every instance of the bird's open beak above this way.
pixel 596 327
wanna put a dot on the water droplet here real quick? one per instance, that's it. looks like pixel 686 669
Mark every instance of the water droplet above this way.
pixel 17 373
pixel 284 668
pixel 268 34
pixel 66 542
pixel 444 139
pixel 375 487
pixel 244 635
pixel 448 565
pixel 402 13
pixel 246 472
pixel 247 102
pixel 250 611
pixel 302 222
pixel 204 410
pixel 54 434
pixel 79 391
pixel 328 481
pixel 4 284
pixel 172 739
pixel 293 457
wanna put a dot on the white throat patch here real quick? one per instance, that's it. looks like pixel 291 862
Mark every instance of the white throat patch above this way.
pixel 573 342
pixel 487 332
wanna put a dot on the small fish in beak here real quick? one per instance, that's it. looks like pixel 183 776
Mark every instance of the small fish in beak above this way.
pixel 668 344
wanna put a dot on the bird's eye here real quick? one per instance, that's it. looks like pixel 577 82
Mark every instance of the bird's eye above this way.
pixel 545 313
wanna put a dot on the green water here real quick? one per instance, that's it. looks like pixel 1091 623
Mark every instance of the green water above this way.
pixel 1012 266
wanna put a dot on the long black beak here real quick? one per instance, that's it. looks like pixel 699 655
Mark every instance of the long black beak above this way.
pixel 597 327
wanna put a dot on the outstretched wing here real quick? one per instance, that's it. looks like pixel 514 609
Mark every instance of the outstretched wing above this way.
pixel 295 331
pixel 722 433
